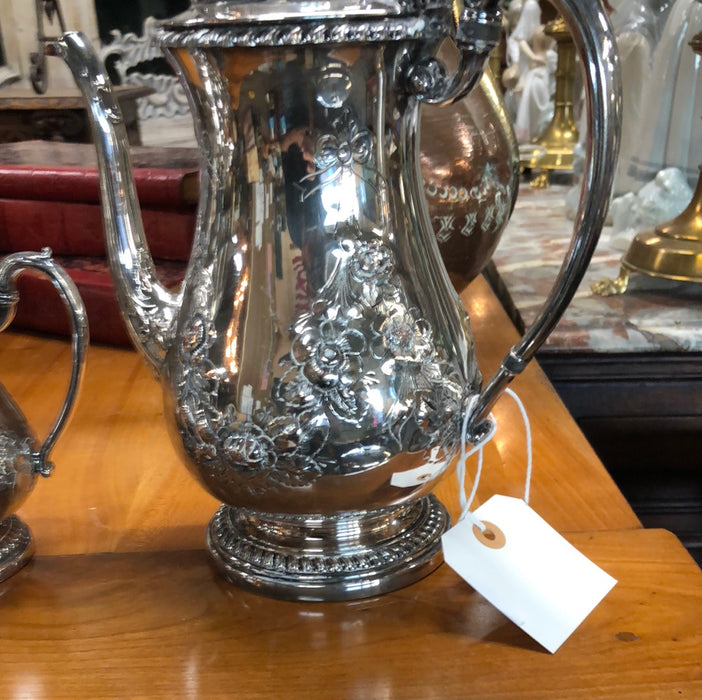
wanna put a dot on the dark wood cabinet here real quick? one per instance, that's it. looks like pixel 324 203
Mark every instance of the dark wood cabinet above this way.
pixel 628 367
pixel 642 413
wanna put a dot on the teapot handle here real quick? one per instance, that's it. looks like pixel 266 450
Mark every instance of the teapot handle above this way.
pixel 477 32
pixel 594 40
pixel 10 268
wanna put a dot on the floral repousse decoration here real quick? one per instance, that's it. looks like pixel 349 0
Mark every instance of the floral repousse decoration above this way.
pixel 326 358
pixel 15 455
pixel 347 149
pixel 362 367
pixel 265 448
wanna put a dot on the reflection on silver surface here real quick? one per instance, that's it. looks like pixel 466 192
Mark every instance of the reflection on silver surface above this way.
pixel 317 350
pixel 22 457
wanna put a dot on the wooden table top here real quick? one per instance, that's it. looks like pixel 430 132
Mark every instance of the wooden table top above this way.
pixel 163 625
pixel 133 609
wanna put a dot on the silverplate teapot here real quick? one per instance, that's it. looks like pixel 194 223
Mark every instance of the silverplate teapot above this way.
pixel 22 457
pixel 317 364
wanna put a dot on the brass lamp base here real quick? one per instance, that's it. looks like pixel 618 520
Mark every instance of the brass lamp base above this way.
pixel 655 254
pixel 559 153
pixel 547 158
pixel 672 250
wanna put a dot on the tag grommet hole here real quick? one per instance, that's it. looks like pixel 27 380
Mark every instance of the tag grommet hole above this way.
pixel 491 536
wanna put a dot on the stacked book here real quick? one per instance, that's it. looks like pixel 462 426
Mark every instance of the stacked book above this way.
pixel 50 197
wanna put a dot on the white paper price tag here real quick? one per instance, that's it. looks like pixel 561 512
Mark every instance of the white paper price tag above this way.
pixel 526 570
pixel 413 477
pixel 420 475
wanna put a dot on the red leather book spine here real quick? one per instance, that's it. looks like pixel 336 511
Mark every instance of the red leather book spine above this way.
pixel 155 186
pixel 75 228
pixel 41 309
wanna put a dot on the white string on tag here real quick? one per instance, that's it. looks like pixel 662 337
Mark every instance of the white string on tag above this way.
pixel 466 502
pixel 529 445
pixel 462 460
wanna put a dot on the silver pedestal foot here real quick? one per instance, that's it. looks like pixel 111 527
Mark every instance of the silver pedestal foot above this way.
pixel 16 546
pixel 328 557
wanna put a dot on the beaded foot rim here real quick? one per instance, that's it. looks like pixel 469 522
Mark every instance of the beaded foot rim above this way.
pixel 342 570
pixel 16 546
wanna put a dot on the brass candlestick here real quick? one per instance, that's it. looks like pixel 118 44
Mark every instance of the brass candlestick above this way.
pixel 671 250
pixel 554 149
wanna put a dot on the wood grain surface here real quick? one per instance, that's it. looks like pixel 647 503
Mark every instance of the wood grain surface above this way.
pixel 119 486
pixel 163 625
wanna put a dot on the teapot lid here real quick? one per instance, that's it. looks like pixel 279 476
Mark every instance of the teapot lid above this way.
pixel 281 10
pixel 300 22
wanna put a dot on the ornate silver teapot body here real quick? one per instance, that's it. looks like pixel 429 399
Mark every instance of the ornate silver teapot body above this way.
pixel 22 457
pixel 317 364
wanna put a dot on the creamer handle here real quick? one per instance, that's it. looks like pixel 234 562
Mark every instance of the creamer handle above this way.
pixel 10 268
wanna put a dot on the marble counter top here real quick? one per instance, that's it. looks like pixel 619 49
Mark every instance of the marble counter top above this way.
pixel 654 315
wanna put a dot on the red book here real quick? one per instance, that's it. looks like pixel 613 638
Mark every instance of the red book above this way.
pixel 52 171
pixel 49 196
pixel 76 228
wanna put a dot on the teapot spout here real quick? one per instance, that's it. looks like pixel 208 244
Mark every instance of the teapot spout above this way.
pixel 148 307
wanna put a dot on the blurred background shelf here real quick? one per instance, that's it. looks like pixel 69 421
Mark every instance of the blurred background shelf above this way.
pixel 628 367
